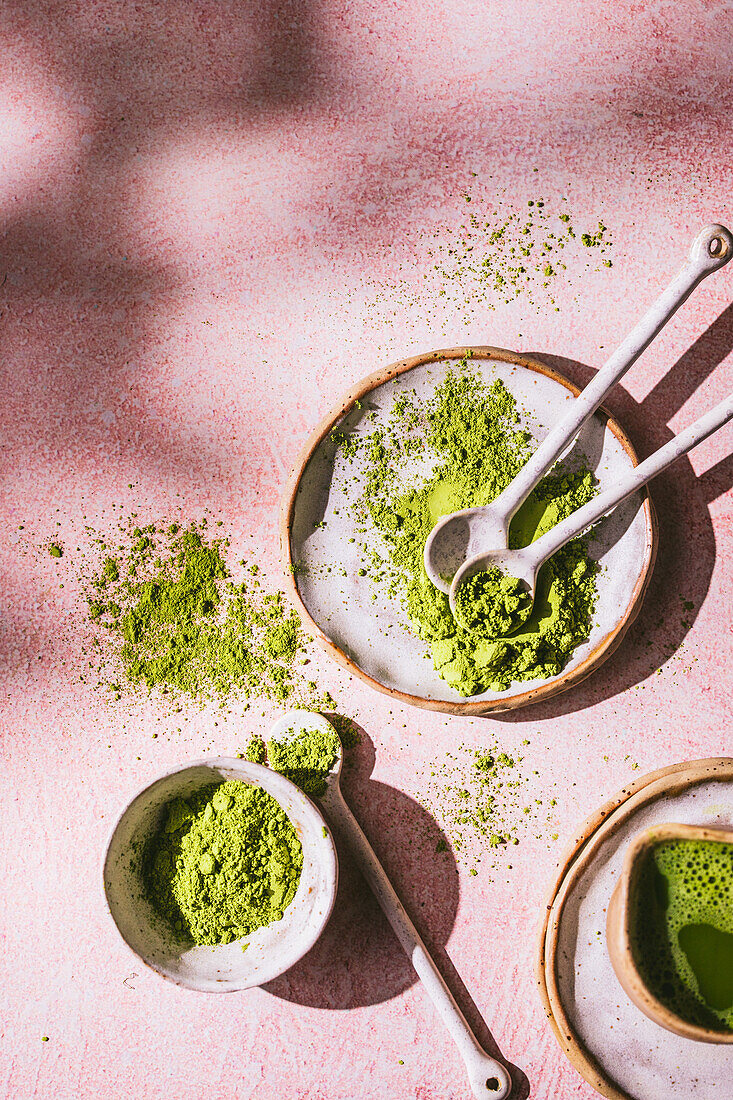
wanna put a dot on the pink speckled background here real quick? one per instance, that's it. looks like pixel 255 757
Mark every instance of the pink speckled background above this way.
pixel 205 210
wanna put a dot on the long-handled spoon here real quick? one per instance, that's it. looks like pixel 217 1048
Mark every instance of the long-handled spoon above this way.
pixel 460 535
pixel 525 564
pixel 489 1079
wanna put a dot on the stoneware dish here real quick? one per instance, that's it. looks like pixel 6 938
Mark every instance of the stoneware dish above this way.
pixel 622 1053
pixel 618 929
pixel 271 950
pixel 371 637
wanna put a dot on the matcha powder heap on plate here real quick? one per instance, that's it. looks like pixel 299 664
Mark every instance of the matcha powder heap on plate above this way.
pixel 471 433
pixel 226 862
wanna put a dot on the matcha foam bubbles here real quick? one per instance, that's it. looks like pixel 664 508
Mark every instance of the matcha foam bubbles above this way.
pixel 682 929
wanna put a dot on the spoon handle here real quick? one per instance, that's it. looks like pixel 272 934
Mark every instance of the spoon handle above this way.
pixel 711 250
pixel 579 521
pixel 488 1077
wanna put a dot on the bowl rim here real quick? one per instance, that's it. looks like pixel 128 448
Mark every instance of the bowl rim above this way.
pixel 619 920
pixel 268 776
pixel 601 652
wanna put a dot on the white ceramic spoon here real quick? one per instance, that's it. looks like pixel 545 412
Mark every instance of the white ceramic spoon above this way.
pixel 525 564
pixel 460 535
pixel 489 1079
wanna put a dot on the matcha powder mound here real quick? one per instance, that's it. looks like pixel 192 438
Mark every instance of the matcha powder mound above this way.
pixel 471 433
pixel 177 621
pixel 305 758
pixel 226 862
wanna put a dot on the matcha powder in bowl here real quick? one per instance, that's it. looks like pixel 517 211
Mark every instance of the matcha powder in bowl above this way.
pixel 221 874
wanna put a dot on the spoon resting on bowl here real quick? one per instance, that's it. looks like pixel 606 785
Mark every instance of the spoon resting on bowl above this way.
pixel 460 535
pixel 489 1078
pixel 499 585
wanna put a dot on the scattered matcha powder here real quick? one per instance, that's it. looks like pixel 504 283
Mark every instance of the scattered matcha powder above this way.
pixel 55 550
pixel 178 622
pixel 226 862
pixel 478 796
pixel 495 252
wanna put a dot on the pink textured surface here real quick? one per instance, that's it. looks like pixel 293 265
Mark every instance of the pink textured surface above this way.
pixel 197 202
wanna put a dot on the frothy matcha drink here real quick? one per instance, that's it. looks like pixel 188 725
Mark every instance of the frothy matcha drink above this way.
pixel 682 922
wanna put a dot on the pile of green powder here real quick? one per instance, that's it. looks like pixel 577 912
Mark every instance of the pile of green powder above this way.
pixel 226 862
pixel 492 603
pixel 470 433
pixel 305 758
pixel 179 622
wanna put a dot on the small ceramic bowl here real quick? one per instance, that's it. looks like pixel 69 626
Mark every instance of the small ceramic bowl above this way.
pixel 619 921
pixel 268 951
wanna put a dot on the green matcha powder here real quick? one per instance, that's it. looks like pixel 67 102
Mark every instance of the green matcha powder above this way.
pixel 471 433
pixel 226 862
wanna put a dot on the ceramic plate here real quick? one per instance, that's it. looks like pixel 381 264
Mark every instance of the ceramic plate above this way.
pixel 619 1050
pixel 371 637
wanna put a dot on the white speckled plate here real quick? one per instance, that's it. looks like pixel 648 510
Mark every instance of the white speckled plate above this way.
pixel 371 637
pixel 619 1050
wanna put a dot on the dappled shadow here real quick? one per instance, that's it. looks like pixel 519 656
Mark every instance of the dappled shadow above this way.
pixel 86 268
pixel 95 287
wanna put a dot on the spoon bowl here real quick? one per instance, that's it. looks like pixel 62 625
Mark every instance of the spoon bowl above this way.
pixel 460 536
pixel 510 563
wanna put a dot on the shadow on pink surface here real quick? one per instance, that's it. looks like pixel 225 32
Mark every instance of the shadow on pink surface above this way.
pixel 358 960
pixel 686 553
pixel 86 271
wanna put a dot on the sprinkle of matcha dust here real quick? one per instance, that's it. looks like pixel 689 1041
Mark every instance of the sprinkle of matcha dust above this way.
pixel 305 758
pixel 226 862
pixel 55 550
pixel 469 434
pixel 480 798
pixel 176 620
pixel 493 604
pixel 494 251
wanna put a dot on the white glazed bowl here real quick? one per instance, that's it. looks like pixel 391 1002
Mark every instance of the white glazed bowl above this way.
pixel 270 950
